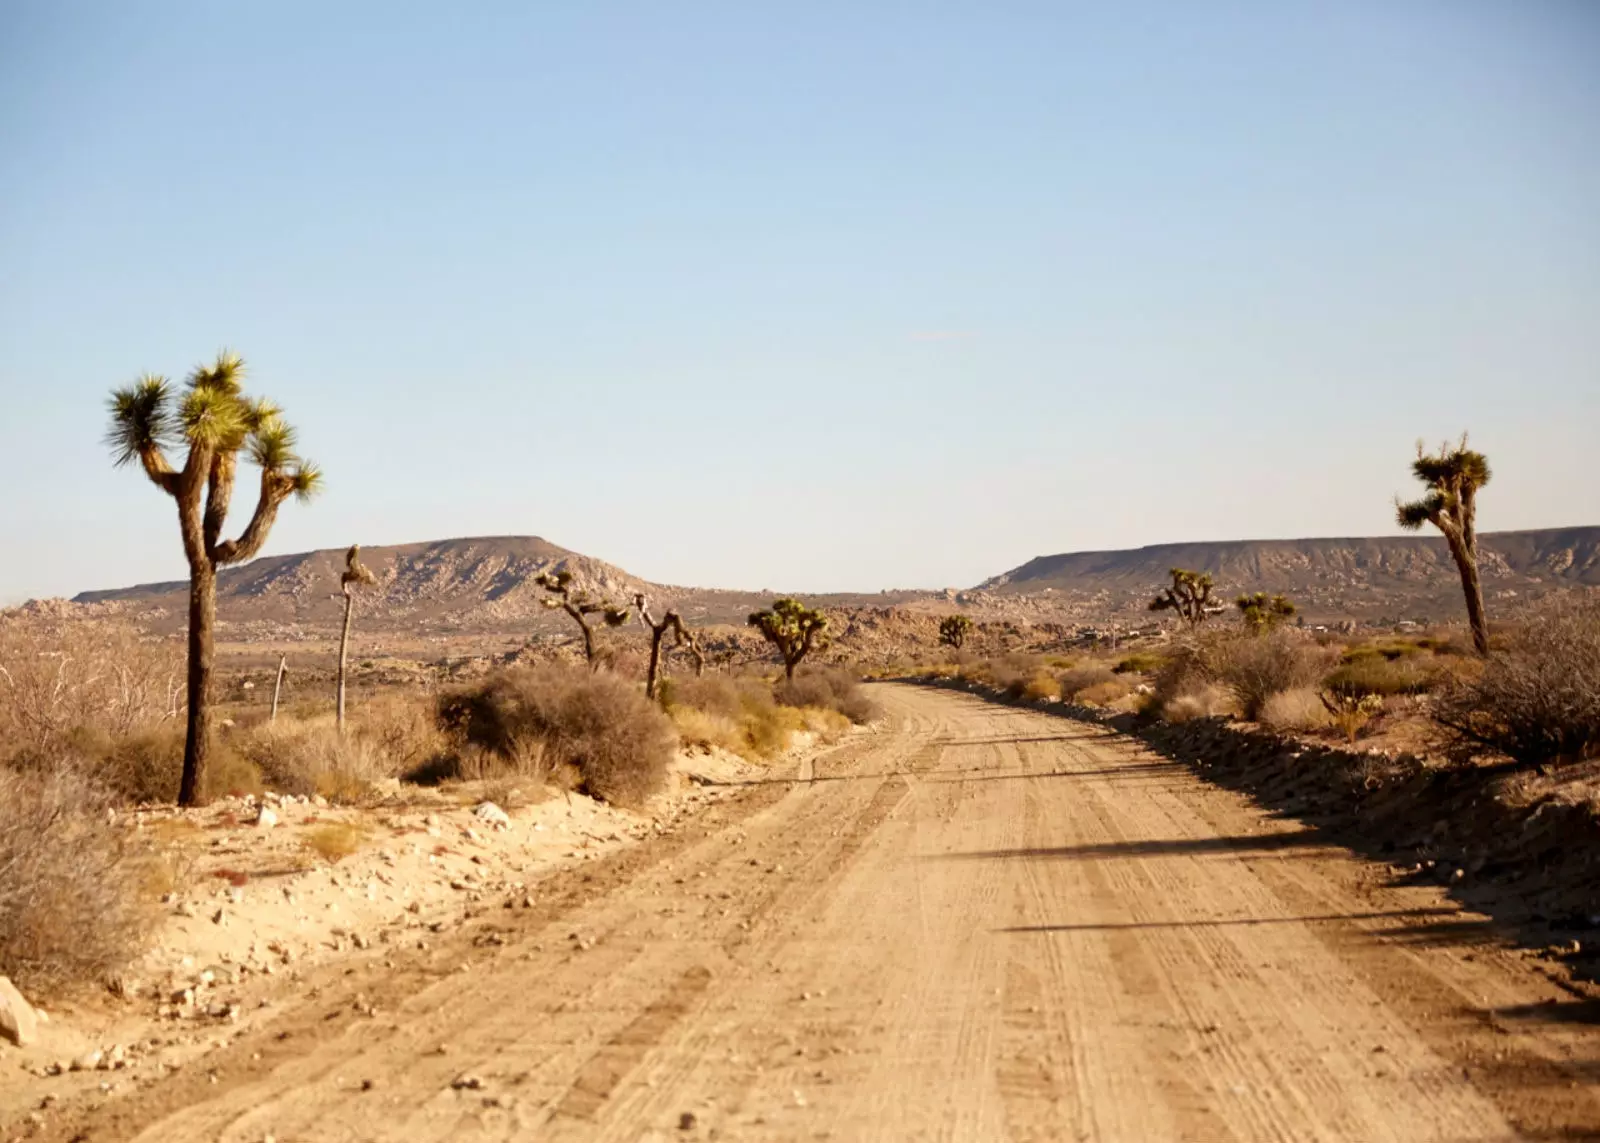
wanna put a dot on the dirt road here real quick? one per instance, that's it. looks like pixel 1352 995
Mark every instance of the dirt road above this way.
pixel 976 923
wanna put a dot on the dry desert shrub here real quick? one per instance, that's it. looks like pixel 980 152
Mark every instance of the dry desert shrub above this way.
pixel 1106 693
pixel 72 893
pixel 1538 699
pixel 311 757
pixel 828 688
pixel 737 714
pixel 1299 710
pixel 1199 700
pixel 1040 688
pixel 59 680
pixel 1080 679
pixel 618 742
pixel 334 841
pixel 1256 667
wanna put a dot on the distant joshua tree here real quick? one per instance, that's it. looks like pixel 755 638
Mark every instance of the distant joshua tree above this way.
pixel 356 574
pixel 580 605
pixel 794 629
pixel 673 622
pixel 1189 596
pixel 213 421
pixel 1453 477
pixel 1263 612
pixel 953 631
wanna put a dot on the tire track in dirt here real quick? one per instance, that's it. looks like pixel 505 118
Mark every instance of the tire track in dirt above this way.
pixel 974 924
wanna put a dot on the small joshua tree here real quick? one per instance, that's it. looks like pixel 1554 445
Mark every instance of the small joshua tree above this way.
pixel 1263 612
pixel 580 605
pixel 673 622
pixel 1189 596
pixel 213 421
pixel 356 574
pixel 953 631
pixel 1453 477
pixel 794 629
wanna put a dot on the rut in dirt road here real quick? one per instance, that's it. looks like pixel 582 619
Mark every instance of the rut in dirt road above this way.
pixel 976 923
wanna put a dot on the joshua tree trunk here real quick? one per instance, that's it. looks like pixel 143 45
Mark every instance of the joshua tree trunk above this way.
pixel 277 687
pixel 1472 588
pixel 202 623
pixel 656 635
pixel 344 649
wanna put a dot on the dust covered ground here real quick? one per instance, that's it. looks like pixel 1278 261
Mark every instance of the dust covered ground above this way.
pixel 978 922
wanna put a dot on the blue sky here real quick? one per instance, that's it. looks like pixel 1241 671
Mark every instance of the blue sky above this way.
pixel 823 296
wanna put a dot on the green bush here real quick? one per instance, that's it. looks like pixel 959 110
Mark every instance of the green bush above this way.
pixel 1140 663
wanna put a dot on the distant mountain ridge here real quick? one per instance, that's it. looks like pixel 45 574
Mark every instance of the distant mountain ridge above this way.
pixel 487 583
pixel 474 582
pixel 1355 575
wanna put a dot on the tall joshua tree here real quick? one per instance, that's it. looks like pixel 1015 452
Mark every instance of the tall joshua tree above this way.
pixel 1453 477
pixel 658 629
pixel 1262 612
pixel 356 574
pixel 213 420
pixel 580 605
pixel 794 629
pixel 1189 595
pixel 953 630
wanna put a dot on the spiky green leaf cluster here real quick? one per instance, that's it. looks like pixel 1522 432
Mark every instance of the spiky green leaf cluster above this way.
pixel 1452 477
pixel 1262 612
pixel 141 420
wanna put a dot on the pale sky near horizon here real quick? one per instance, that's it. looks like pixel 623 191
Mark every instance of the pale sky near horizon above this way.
pixel 834 296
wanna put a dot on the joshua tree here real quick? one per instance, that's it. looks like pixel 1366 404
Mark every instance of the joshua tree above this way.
pixel 793 628
pixel 1263 612
pixel 673 622
pixel 1189 596
pixel 213 421
pixel 1453 476
pixel 355 575
pixel 953 631
pixel 580 605
pixel 277 687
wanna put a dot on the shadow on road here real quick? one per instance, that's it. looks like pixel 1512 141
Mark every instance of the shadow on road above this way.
pixel 1152 847
pixel 1226 922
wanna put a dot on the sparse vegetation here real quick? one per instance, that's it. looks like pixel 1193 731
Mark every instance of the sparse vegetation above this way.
pixel 1538 700
pixel 1080 679
pixel 1453 477
pixel 794 629
pixel 73 896
pixel 1189 595
pixel 953 631
pixel 214 421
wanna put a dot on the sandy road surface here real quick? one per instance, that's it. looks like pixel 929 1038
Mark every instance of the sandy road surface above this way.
pixel 977 923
